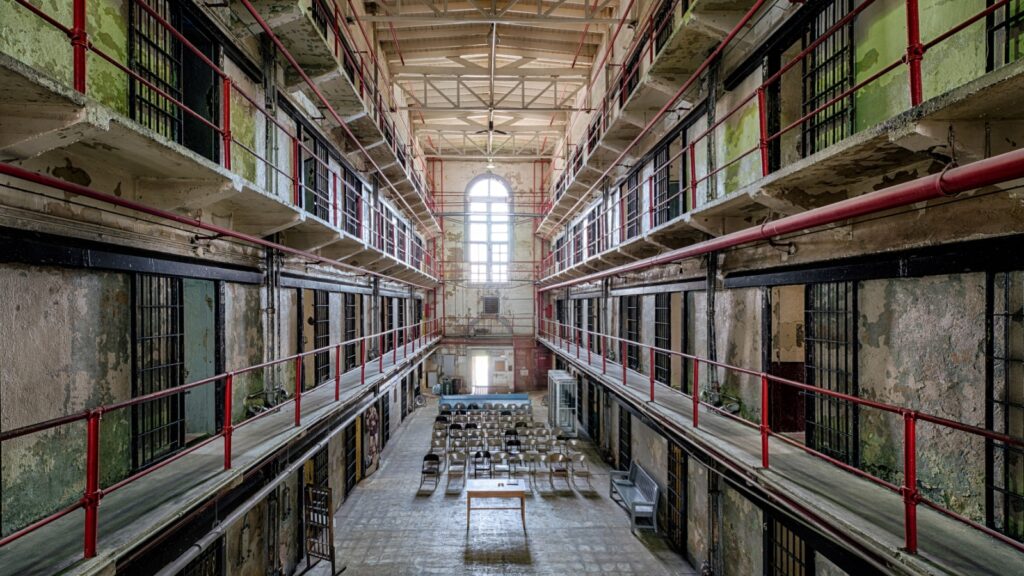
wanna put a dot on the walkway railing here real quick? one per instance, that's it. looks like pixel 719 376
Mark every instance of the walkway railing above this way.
pixel 414 339
pixel 570 339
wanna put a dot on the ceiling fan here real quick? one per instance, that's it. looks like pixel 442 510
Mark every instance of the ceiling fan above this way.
pixel 490 127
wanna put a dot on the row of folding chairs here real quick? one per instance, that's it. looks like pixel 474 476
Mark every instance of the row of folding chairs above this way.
pixel 488 464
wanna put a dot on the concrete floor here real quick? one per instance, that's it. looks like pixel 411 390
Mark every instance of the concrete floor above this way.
pixel 387 527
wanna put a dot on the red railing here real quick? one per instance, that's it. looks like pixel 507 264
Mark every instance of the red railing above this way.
pixel 324 207
pixel 414 337
pixel 566 337
pixel 913 57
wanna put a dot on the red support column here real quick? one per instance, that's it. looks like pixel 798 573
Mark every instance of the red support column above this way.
pixel 765 431
pixel 227 428
pixel 650 202
pixel 298 390
pixel 693 177
pixel 337 373
pixel 334 186
pixel 909 488
pixel 915 51
pixel 79 44
pixel 92 495
pixel 623 360
pixel 762 115
pixel 652 374
pixel 225 128
pixel 695 392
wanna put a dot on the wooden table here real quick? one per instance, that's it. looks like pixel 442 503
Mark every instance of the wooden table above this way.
pixel 497 488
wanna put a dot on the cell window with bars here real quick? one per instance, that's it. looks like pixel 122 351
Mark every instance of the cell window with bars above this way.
pixel 351 461
pixel 630 192
pixel 158 343
pixel 592 233
pixel 662 337
pixel 321 335
pixel 386 322
pixel 321 469
pixel 1005 414
pixel 786 553
pixel 400 320
pixel 832 424
pixel 351 204
pixel 1005 28
pixel 156 56
pixel 828 72
pixel 594 324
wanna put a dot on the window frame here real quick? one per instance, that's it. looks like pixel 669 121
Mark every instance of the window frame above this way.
pixel 492 274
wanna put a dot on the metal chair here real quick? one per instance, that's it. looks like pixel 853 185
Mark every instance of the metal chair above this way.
pixel 558 466
pixel 482 463
pixel 441 419
pixel 456 467
pixel 510 434
pixel 500 464
pixel 453 428
pixel 431 469
pixel 580 468
pixel 514 446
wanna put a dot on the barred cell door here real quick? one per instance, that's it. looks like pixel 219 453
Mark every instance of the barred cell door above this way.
pixel 786 552
pixel 321 335
pixel 828 72
pixel 158 363
pixel 385 419
pixel 832 425
pixel 351 330
pixel 625 438
pixel 677 483
pixel 351 458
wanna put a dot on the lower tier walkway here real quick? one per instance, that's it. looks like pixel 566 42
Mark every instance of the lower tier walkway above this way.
pixel 389 527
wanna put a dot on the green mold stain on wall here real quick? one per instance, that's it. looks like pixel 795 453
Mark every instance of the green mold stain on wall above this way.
pixel 243 131
pixel 26 37
pixel 880 38
pixel 961 57
pixel 741 135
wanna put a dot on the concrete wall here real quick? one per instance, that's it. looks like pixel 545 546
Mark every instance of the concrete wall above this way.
pixel 738 339
pixel 742 536
pixel 697 537
pixel 79 322
pixel 940 370
pixel 243 344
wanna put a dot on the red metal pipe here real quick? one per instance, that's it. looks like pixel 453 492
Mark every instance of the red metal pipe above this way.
pixel 79 45
pixel 91 499
pixel 915 52
pixel 765 431
pixel 227 427
pixel 298 390
pixel 762 114
pixel 225 134
pixel 909 489
pixel 987 172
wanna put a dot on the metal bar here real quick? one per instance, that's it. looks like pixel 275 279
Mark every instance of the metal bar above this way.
pixel 337 373
pixel 695 392
pixel 762 115
pixel 909 489
pixel 765 430
pixel 915 52
pixel 91 499
pixel 225 134
pixel 227 429
pixel 652 374
pixel 79 45
pixel 298 390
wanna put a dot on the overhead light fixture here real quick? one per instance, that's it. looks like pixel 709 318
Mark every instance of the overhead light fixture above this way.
pixel 490 164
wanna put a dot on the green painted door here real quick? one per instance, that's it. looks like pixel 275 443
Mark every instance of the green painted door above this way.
pixel 200 357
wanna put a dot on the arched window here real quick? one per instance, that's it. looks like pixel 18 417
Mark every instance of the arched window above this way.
pixel 489 229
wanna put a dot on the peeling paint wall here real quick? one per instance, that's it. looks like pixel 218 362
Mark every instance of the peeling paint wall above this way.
pixel 245 544
pixel 697 542
pixel 243 343
pixel 736 139
pixel 79 321
pixel 738 339
pixel 742 534
pixel 940 370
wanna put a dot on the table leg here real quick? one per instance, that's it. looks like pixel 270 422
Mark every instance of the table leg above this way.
pixel 469 500
pixel 522 510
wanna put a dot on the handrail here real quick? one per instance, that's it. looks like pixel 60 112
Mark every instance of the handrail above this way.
pixel 415 336
pixel 558 332
pixel 228 86
pixel 912 57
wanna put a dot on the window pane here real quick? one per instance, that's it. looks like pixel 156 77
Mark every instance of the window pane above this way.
pixel 478 217
pixel 478 252
pixel 478 207
pixel 499 273
pixel 499 207
pixel 499 232
pixel 499 252
pixel 478 232
pixel 480 188
pixel 478 273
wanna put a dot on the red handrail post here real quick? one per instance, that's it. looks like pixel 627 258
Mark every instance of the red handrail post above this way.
pixel 394 345
pixel 652 374
pixel 337 373
pixel 915 52
pixel 298 390
pixel 762 115
pixel 79 45
pixel 765 431
pixel 296 174
pixel 577 343
pixel 909 489
pixel 380 353
pixel 225 128
pixel 362 364
pixel 650 200
pixel 91 499
pixel 227 429
pixel 693 177
pixel 695 392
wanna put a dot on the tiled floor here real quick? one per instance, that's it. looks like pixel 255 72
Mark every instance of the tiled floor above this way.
pixel 388 528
